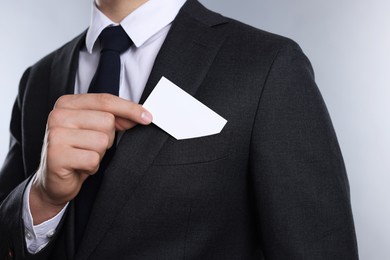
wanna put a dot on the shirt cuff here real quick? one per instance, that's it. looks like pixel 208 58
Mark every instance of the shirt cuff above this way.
pixel 37 237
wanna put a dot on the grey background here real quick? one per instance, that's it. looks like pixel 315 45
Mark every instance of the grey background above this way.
pixel 347 41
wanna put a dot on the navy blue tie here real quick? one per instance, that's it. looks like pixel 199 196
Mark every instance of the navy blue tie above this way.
pixel 113 42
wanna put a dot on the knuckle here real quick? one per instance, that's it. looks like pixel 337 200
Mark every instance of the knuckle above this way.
pixel 93 161
pixel 109 120
pixel 105 100
pixel 55 117
pixel 62 101
pixel 54 134
pixel 103 142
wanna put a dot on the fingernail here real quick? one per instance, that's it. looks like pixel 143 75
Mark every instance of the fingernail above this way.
pixel 146 117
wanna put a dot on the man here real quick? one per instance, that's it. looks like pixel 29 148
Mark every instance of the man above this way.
pixel 271 185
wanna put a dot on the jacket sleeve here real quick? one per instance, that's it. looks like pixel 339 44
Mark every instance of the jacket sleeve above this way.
pixel 13 181
pixel 299 180
pixel 12 172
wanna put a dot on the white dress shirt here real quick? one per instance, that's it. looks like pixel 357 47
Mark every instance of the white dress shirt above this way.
pixel 148 27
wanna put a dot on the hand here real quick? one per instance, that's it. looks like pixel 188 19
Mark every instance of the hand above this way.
pixel 79 131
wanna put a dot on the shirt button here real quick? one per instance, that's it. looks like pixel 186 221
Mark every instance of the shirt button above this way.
pixel 28 235
pixel 50 234
pixel 10 255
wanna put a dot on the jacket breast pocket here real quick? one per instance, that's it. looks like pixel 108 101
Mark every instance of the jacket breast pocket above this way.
pixel 195 150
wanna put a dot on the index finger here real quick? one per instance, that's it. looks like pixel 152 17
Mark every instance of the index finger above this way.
pixel 117 106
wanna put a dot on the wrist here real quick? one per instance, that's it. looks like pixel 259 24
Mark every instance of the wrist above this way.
pixel 41 206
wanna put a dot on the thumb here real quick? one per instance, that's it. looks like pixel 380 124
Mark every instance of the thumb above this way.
pixel 122 124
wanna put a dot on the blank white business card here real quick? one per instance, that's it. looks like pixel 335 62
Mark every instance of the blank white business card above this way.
pixel 180 114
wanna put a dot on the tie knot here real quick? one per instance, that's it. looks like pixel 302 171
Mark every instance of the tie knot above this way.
pixel 114 38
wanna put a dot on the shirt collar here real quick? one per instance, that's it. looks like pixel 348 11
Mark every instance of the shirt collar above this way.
pixel 140 25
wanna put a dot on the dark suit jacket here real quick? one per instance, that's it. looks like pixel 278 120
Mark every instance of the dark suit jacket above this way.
pixel 271 185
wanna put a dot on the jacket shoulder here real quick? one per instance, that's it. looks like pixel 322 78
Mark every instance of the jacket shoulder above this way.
pixel 246 35
pixel 65 50
pixel 237 32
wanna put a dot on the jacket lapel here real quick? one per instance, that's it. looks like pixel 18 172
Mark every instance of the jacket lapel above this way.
pixel 184 58
pixel 64 68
